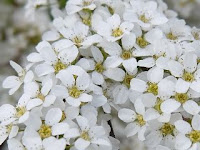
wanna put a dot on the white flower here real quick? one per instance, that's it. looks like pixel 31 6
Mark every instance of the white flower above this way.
pixel 78 5
pixel 43 131
pixel 39 95
pixel 88 134
pixel 163 133
pixel 56 57
pixel 8 131
pixel 188 71
pixel 113 28
pixel 137 120
pixel 19 114
pixel 189 135
pixel 79 35
pixel 14 82
pixel 120 55
pixel 145 14
pixel 75 81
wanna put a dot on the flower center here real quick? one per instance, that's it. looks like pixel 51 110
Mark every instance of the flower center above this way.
pixel 86 3
pixel 99 67
pixel 158 104
pixel 152 88
pixel 59 66
pixel 140 120
pixel 9 128
pixel 143 18
pixel 189 77
pixel 85 135
pixel 167 129
pixel 141 41
pixel 181 97
pixel 44 131
pixel 74 92
pixel 126 55
pixel 41 96
pixel 196 36
pixel 77 40
pixel 117 32
pixel 187 2
pixel 87 21
pixel 194 136
pixel 127 80
pixel 171 36
pixel 20 111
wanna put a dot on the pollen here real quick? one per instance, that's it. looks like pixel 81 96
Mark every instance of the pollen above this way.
pixel 99 67
pixel 74 92
pixel 189 77
pixel 181 97
pixel 77 40
pixel 44 131
pixel 167 129
pixel 127 80
pixel 86 3
pixel 194 136
pixel 152 88
pixel 85 135
pixel 87 21
pixel 140 120
pixel 59 66
pixel 144 19
pixel 126 55
pixel 41 96
pixel 117 32
pixel 157 105
pixel 171 36
pixel 20 111
pixel 141 41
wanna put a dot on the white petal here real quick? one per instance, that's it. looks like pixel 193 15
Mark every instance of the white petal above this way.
pixel 112 62
pixel 18 68
pixel 130 65
pixel 147 62
pixel 59 128
pixel 111 48
pixel 182 142
pixel 138 85
pixel 73 102
pixel 62 45
pixel 183 126
pixel 111 73
pixel 182 86
pixel 148 99
pixel 191 107
pixel 131 129
pixel 72 133
pixel 151 114
pixel 97 78
pixel 175 68
pixel 72 112
pixel 155 74
pixel 195 86
pixel 34 103
pixel 139 106
pixel 128 41
pixel 81 144
pixel 127 115
pixel 68 55
pixel 98 57
pixel 195 122
pixel 53 116
pixel 43 69
pixel 98 100
pixel 169 106
pixel 190 62
pixel 49 100
pixel 83 81
pixel 66 78
pixel 34 57
pixel 83 123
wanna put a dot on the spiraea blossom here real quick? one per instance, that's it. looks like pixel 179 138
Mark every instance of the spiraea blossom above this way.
pixel 107 72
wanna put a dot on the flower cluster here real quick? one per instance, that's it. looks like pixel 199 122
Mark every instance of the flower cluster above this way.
pixel 131 60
